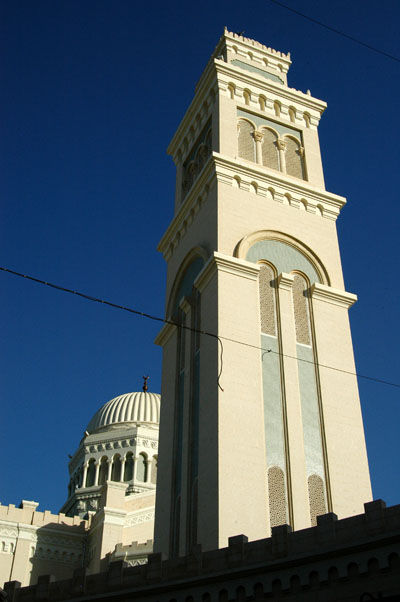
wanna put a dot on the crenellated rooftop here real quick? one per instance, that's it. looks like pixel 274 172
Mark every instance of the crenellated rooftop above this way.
pixel 365 545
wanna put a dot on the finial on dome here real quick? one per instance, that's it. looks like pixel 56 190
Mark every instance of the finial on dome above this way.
pixel 145 387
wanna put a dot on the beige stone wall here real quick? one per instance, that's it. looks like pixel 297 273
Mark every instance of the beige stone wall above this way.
pixel 234 203
pixel 33 543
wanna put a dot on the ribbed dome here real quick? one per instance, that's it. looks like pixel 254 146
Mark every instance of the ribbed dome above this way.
pixel 131 407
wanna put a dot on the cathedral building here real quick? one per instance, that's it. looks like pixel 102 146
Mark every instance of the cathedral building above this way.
pixel 263 487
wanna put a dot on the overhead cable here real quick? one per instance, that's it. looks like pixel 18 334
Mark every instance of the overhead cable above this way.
pixel 340 33
pixel 200 331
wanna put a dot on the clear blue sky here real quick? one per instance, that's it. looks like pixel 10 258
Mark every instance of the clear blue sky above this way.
pixel 92 92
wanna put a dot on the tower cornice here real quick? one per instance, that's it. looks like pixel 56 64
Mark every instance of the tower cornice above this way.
pixel 266 182
pixel 227 168
pixel 224 69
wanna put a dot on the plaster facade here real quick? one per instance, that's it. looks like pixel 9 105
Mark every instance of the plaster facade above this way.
pixel 272 417
pixel 354 559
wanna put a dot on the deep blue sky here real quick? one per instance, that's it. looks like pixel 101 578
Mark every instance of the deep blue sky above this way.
pixel 92 92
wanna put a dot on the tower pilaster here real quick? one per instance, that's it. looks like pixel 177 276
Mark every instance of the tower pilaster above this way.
pixel 260 421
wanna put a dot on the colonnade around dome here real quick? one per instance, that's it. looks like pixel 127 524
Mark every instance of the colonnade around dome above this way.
pixel 110 500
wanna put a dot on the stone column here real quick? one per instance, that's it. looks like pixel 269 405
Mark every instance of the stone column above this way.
pixel 258 137
pixel 281 146
pixel 96 477
pixel 85 467
pixel 110 463
pixel 134 469
pixel 148 470
pixel 123 460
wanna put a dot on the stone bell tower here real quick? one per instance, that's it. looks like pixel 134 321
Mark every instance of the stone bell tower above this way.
pixel 261 424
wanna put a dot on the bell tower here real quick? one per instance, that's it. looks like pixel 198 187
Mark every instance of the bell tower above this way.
pixel 261 423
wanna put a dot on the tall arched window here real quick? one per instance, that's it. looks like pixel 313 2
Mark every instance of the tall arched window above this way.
pixel 91 472
pixel 267 300
pixel 103 472
pixel 116 468
pixel 301 311
pixel 128 471
pixel 269 148
pixel 316 496
pixel 141 468
pixel 294 158
pixel 246 144
pixel 154 470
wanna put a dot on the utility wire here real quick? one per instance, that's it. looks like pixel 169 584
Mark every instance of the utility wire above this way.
pixel 340 33
pixel 197 330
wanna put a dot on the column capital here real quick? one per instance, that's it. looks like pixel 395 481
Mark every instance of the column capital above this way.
pixel 258 136
pixel 281 144
pixel 285 281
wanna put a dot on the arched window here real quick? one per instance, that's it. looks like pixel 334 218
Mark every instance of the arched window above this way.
pixel 154 470
pixel 231 91
pixel 103 472
pixel 292 114
pixel 269 149
pixel 277 108
pixel 141 469
pixel 91 472
pixel 293 158
pixel 267 300
pixel 301 310
pixel 246 145
pixel 276 496
pixel 261 102
pixel 128 471
pixel 116 468
pixel 316 496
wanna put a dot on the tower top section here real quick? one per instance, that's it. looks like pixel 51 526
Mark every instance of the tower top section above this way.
pixel 250 55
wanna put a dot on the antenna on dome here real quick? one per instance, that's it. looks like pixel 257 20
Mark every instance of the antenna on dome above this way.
pixel 145 387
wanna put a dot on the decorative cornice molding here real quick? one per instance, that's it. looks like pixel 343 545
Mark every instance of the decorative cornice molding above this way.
pixel 113 516
pixel 228 264
pixel 227 168
pixel 320 292
pixel 248 78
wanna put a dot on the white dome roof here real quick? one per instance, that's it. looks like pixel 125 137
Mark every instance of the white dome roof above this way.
pixel 131 407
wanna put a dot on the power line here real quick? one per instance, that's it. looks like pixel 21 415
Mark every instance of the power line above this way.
pixel 340 33
pixel 205 332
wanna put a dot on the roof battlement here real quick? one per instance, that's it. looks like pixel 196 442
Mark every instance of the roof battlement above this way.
pixel 27 514
pixel 309 558
pixel 242 38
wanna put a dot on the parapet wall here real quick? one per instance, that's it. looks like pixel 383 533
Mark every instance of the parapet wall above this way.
pixel 344 558
pixel 28 514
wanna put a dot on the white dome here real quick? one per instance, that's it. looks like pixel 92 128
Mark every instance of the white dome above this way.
pixel 131 407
